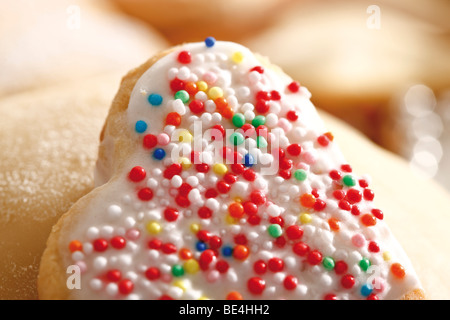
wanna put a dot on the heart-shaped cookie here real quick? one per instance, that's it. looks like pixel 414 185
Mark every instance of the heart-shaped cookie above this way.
pixel 218 180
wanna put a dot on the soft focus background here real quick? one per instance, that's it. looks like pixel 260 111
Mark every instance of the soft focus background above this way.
pixel 383 67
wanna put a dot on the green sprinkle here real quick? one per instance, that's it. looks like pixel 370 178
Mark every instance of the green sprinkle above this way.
pixel 300 175
pixel 237 138
pixel 364 264
pixel 177 270
pixel 349 181
pixel 238 120
pixel 275 230
pixel 258 121
pixel 182 95
pixel 328 263
pixel 261 142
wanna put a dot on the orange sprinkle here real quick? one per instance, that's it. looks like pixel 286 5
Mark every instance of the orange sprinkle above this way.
pixel 191 88
pixel 329 135
pixel 241 252
pixel 334 224
pixel 221 103
pixel 75 245
pixel 368 220
pixel 227 113
pixel 234 295
pixel 185 254
pixel 236 210
pixel 307 200
pixel 398 270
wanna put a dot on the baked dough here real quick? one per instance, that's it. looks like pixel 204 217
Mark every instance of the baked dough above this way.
pixel 148 217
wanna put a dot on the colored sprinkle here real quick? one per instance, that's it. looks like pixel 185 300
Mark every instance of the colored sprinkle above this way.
pixel 249 160
pixel 155 99
pixel 259 121
pixel 177 270
pixel 220 168
pixel 364 264
pixel 261 142
pixel 238 120
pixel 366 289
pixel 184 57
pixel 398 270
pixel 305 218
pixel 349 181
pixel 202 86
pixel 153 227
pixel 275 230
pixel 182 95
pixel 159 154
pixel 300 175
pixel 191 266
pixel 227 251
pixel 234 295
pixel 75 245
pixel 210 42
pixel 215 93
pixel 140 126
pixel 328 263
pixel 237 138
pixel 237 57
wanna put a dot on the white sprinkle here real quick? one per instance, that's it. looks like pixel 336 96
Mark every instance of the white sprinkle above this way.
pixel 100 263
pixel 92 233
pixel 112 289
pixel 114 212
pixel 95 284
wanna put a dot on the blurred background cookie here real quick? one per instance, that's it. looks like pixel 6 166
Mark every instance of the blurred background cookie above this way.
pixel 52 41
pixel 194 20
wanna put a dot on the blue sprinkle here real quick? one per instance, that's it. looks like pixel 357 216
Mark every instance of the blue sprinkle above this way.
pixel 210 42
pixel 200 246
pixel 227 251
pixel 249 161
pixel 159 154
pixel 366 289
pixel 140 126
pixel 155 99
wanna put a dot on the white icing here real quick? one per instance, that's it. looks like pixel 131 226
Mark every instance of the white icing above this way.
pixel 120 210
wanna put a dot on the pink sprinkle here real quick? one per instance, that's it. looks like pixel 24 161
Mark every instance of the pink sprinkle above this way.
pixel 358 240
pixel 308 157
pixel 213 276
pixel 301 165
pixel 284 124
pixel 163 139
pixel 378 285
pixel 133 234
pixel 210 77
pixel 167 278
pixel 82 266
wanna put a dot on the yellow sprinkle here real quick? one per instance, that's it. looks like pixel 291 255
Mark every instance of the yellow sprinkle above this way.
pixel 305 218
pixel 387 256
pixel 180 284
pixel 237 199
pixel 195 227
pixel 202 86
pixel 203 298
pixel 184 136
pixel 215 92
pixel 191 266
pixel 237 57
pixel 185 163
pixel 154 227
pixel 230 220
pixel 220 168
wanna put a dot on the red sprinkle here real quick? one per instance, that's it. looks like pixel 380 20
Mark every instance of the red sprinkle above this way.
pixel 258 69
pixel 137 174
pixel 118 242
pixel 145 194
pixel 125 286
pixel 150 141
pixel 177 84
pixel 171 214
pixel 348 281
pixel 292 115
pixel 290 282
pixel 314 257
pixel 197 106
pixel 152 273
pixel 294 232
pixel 294 149
pixel 184 57
pixel 100 245
pixel 260 267
pixel 294 86
pixel 276 264
pixel 113 275
pixel 205 213
pixel 300 249
pixel 256 285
